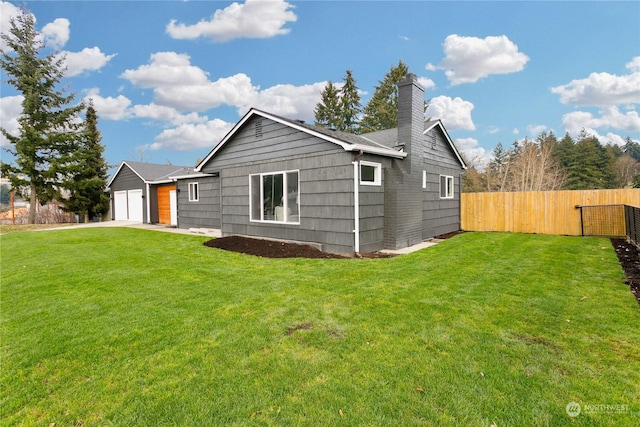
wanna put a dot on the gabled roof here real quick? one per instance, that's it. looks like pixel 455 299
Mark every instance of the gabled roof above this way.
pixel 151 173
pixel 349 142
pixel 389 137
pixel 430 124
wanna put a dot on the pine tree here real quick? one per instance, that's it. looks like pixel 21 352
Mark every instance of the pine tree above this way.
pixel 327 110
pixel 589 165
pixel 349 105
pixel 87 180
pixel 632 148
pixel 46 125
pixel 381 112
pixel 339 110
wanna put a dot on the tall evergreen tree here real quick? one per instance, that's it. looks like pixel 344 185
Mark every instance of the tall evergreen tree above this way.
pixel 339 109
pixel 590 165
pixel 350 105
pixel 47 122
pixel 87 179
pixel 381 112
pixel 632 148
pixel 328 109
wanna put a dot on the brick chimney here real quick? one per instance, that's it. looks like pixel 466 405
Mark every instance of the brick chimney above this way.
pixel 403 180
pixel 410 116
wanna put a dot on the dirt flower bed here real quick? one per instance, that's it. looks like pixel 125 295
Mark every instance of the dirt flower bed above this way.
pixel 629 257
pixel 277 249
pixel 267 248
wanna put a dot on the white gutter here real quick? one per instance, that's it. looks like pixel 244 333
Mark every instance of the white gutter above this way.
pixel 356 208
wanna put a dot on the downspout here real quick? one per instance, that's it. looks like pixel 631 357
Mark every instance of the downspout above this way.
pixel 148 197
pixel 356 203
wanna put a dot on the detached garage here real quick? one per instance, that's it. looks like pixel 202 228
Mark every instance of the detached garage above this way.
pixel 145 192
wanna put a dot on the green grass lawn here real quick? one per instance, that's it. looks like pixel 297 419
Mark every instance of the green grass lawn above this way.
pixel 129 327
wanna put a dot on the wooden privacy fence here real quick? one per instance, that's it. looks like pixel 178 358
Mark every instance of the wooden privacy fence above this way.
pixel 543 212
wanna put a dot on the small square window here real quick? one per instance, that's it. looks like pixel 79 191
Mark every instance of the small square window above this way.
pixel 370 173
pixel 446 187
pixel 194 192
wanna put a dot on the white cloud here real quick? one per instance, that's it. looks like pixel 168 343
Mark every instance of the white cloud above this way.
pixel 236 90
pixel 634 64
pixel 468 59
pixel 178 84
pixel 290 101
pixel 474 153
pixel 56 34
pixel 7 12
pixel 192 136
pixel 426 83
pixel 165 114
pixel 10 110
pixel 109 108
pixel 88 59
pixel 602 89
pixel 253 19
pixel 166 69
pixel 610 117
pixel 535 130
pixel 455 113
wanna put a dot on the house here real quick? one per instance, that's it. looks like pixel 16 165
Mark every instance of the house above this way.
pixel 145 192
pixel 277 178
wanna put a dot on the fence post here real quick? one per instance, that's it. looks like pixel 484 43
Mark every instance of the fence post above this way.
pixel 581 220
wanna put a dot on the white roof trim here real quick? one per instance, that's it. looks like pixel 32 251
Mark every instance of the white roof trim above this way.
pixel 345 145
pixel 193 175
pixel 451 144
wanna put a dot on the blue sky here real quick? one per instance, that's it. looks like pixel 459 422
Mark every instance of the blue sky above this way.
pixel 170 78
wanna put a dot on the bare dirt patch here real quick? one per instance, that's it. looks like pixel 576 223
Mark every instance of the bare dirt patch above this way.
pixel 629 257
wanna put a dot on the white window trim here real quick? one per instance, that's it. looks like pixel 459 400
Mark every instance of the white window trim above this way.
pixel 448 178
pixel 424 179
pixel 195 193
pixel 377 174
pixel 286 201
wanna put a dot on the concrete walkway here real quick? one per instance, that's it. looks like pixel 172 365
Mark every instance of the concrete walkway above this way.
pixel 410 249
pixel 210 232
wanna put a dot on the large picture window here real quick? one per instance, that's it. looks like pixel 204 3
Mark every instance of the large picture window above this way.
pixel 275 197
pixel 446 187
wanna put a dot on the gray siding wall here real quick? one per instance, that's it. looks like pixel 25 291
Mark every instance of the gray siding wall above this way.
pixel 326 185
pixel 128 180
pixel 326 201
pixel 439 216
pixel 412 213
pixel 372 199
pixel 261 139
pixel 205 213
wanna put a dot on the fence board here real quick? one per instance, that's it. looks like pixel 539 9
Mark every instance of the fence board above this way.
pixel 542 212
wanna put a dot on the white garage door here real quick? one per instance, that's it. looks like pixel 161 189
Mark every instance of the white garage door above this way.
pixel 120 209
pixel 128 205
pixel 134 199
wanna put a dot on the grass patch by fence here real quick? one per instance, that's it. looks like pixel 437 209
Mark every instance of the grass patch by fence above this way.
pixel 133 327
